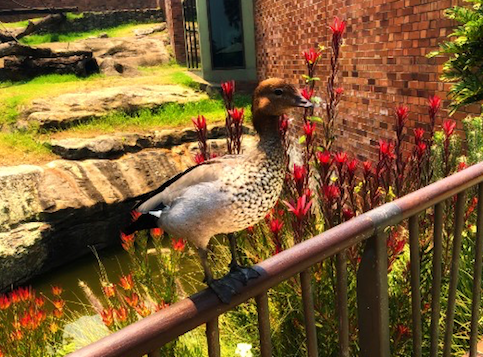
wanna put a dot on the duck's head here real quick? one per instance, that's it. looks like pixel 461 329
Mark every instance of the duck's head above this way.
pixel 274 97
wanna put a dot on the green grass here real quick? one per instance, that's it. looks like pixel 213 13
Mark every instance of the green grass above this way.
pixel 118 31
pixel 168 116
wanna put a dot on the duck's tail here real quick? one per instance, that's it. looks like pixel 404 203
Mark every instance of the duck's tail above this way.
pixel 140 222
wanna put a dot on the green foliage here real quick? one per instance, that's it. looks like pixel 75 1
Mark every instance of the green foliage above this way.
pixel 474 138
pixel 465 51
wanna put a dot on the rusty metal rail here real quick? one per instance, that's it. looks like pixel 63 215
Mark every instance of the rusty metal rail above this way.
pixel 149 334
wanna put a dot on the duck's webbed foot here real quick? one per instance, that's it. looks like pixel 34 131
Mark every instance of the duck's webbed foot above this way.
pixel 243 274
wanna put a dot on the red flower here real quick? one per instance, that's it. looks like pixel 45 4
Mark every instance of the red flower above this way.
pixel 307 94
pixel 228 90
pixel 352 166
pixel 301 208
pixel 236 115
pixel 57 290
pixel 39 301
pixel 367 168
pixel 386 150
pixel 312 56
pixel 200 123
pixel 402 113
pixel 309 129
pixel 418 135
pixel 434 105
pixel 156 233
pixel 109 290
pixel 59 304
pixel 331 193
pixel 299 173
pixel 340 158
pixel 338 26
pixel 339 91
pixel 421 149
pixel 126 282
pixel 348 213
pixel 5 302
pixel 107 316
pixel 448 127
pixel 127 241
pixel 325 158
pixel 276 226
pixel 132 301
pixel 178 245
pixel 121 314
pixel 461 166
pixel 402 330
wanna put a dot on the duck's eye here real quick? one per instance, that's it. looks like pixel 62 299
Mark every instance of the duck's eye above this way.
pixel 278 91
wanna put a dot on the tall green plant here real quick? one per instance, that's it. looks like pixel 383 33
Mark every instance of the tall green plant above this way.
pixel 465 49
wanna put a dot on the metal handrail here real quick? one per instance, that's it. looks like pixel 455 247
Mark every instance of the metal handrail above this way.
pixel 152 332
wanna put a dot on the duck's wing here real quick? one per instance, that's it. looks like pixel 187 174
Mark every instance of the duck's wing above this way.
pixel 175 187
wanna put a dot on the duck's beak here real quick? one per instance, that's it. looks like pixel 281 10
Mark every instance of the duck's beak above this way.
pixel 303 103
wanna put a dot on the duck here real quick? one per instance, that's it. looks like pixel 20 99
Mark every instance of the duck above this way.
pixel 226 194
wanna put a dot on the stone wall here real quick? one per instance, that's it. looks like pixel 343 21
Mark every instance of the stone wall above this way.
pixel 383 61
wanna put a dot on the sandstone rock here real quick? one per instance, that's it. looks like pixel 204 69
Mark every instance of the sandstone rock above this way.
pixel 116 145
pixel 69 108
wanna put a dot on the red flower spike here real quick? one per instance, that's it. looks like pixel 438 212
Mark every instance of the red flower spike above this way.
pixel 340 158
pixel 236 115
pixel 307 94
pixel 200 123
pixel 276 226
pixel 312 56
pixel 301 208
pixel 448 127
pixel 126 282
pixel 402 113
pixel 107 316
pixel 109 290
pixel 348 213
pixel 434 105
pixel 324 158
pixel 132 301
pixel 338 26
pixel 331 193
pixel 228 89
pixel 461 166
pixel 309 129
pixel 156 233
pixel 352 166
pixel 178 245
pixel 418 135
pixel 367 168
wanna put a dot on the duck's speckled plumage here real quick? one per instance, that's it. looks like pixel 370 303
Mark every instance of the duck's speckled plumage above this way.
pixel 230 193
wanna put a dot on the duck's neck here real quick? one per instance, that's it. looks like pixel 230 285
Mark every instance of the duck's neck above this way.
pixel 268 129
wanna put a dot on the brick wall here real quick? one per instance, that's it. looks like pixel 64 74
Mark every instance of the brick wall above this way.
pixel 383 61
pixel 175 23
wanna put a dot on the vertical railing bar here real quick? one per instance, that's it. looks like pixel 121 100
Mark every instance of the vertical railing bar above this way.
pixel 475 305
pixel 156 353
pixel 453 282
pixel 309 313
pixel 415 284
pixel 342 303
pixel 436 283
pixel 373 298
pixel 264 325
pixel 213 338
